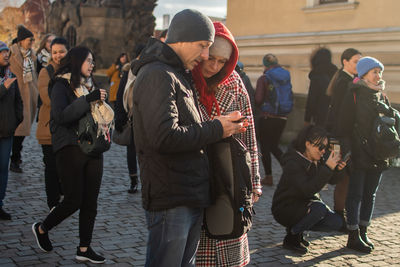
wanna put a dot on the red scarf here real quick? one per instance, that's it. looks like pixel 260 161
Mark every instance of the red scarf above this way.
pixel 207 98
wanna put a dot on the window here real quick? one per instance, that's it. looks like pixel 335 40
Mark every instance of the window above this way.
pixel 322 2
pixel 329 5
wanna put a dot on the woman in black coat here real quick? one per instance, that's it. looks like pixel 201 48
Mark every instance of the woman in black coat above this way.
pixel 296 203
pixel 362 104
pixel 337 89
pixel 322 71
pixel 72 96
pixel 10 117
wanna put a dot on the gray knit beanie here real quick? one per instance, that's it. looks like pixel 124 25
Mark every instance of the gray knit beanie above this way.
pixel 190 25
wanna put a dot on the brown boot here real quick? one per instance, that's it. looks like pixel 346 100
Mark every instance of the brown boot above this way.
pixel 268 181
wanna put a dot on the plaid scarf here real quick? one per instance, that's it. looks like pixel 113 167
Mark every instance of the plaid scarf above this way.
pixel 28 66
pixel 102 113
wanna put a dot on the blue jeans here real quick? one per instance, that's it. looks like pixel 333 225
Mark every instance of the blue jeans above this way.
pixel 5 150
pixel 361 194
pixel 319 218
pixel 174 236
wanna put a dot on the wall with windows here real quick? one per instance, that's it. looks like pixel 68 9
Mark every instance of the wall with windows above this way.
pixel 292 29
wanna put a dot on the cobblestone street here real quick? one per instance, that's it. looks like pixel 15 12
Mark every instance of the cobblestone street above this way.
pixel 120 231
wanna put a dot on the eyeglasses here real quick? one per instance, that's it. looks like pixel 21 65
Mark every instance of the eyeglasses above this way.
pixel 91 61
pixel 32 39
pixel 321 146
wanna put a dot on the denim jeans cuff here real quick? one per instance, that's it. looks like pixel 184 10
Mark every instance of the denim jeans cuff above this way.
pixel 365 223
pixel 352 227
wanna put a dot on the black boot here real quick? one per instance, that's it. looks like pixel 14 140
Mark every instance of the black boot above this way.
pixel 134 184
pixel 355 242
pixel 364 237
pixel 303 241
pixel 293 242
pixel 14 167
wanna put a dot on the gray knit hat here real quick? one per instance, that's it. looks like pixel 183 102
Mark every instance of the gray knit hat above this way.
pixel 190 25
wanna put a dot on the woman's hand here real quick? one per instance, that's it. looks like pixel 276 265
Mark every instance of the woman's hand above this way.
pixel 333 160
pixel 255 196
pixel 7 83
pixel 103 94
pixel 341 165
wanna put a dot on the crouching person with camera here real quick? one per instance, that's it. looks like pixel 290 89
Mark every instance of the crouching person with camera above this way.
pixel 296 203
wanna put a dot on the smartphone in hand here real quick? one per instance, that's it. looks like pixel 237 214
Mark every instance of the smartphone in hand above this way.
pixel 346 157
pixel 242 119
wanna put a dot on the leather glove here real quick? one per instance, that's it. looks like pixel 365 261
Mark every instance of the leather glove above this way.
pixel 93 96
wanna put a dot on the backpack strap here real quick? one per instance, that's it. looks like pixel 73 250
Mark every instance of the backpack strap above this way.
pixel 50 71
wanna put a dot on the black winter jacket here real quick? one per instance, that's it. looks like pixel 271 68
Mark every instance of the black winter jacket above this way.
pixel 359 110
pixel 317 100
pixel 66 110
pixel 340 89
pixel 299 185
pixel 169 134
pixel 11 109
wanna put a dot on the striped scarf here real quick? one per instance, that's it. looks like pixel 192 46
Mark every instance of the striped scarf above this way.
pixel 44 57
pixel 28 66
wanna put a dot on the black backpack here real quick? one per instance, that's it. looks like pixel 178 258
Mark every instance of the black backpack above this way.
pixel 383 142
pixel 88 140
pixel 230 215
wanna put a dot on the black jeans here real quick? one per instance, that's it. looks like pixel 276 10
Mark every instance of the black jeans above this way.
pixel 318 218
pixel 81 179
pixel 16 149
pixel 51 180
pixel 270 131
pixel 131 157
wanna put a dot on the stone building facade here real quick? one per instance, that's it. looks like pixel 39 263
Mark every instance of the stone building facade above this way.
pixel 108 27
pixel 292 29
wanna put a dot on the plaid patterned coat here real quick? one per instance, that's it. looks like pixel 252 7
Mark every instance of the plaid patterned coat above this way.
pixel 231 96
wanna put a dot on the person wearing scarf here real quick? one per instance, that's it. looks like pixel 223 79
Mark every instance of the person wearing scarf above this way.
pixel 73 94
pixel 10 116
pixel 358 110
pixel 221 91
pixel 22 64
pixel 44 51
pixel 59 48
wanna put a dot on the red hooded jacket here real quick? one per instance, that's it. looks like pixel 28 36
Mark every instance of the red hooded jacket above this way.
pixel 207 98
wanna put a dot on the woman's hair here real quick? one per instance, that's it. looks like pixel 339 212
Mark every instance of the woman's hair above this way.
pixel 215 80
pixel 347 54
pixel 311 133
pixel 43 42
pixel 118 60
pixel 321 58
pixel 60 41
pixel 73 62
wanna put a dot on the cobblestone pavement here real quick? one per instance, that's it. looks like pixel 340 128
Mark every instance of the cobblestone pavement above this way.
pixel 120 233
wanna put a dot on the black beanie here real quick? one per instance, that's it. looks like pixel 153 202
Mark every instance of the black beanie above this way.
pixel 190 25
pixel 23 33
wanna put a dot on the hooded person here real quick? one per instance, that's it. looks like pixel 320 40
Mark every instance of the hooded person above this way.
pixel 220 91
pixel 23 65
pixel 170 138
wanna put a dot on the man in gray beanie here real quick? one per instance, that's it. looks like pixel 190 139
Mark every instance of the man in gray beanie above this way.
pixel 170 138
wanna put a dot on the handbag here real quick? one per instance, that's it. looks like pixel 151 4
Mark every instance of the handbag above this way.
pixel 231 211
pixel 123 138
pixel 89 141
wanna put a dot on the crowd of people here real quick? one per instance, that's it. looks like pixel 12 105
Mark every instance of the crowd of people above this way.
pixel 180 95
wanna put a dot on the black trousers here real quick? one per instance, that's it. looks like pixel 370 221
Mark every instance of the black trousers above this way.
pixel 270 131
pixel 81 179
pixel 51 180
pixel 16 149
pixel 131 157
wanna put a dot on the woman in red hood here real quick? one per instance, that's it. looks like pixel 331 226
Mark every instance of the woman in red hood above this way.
pixel 221 91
